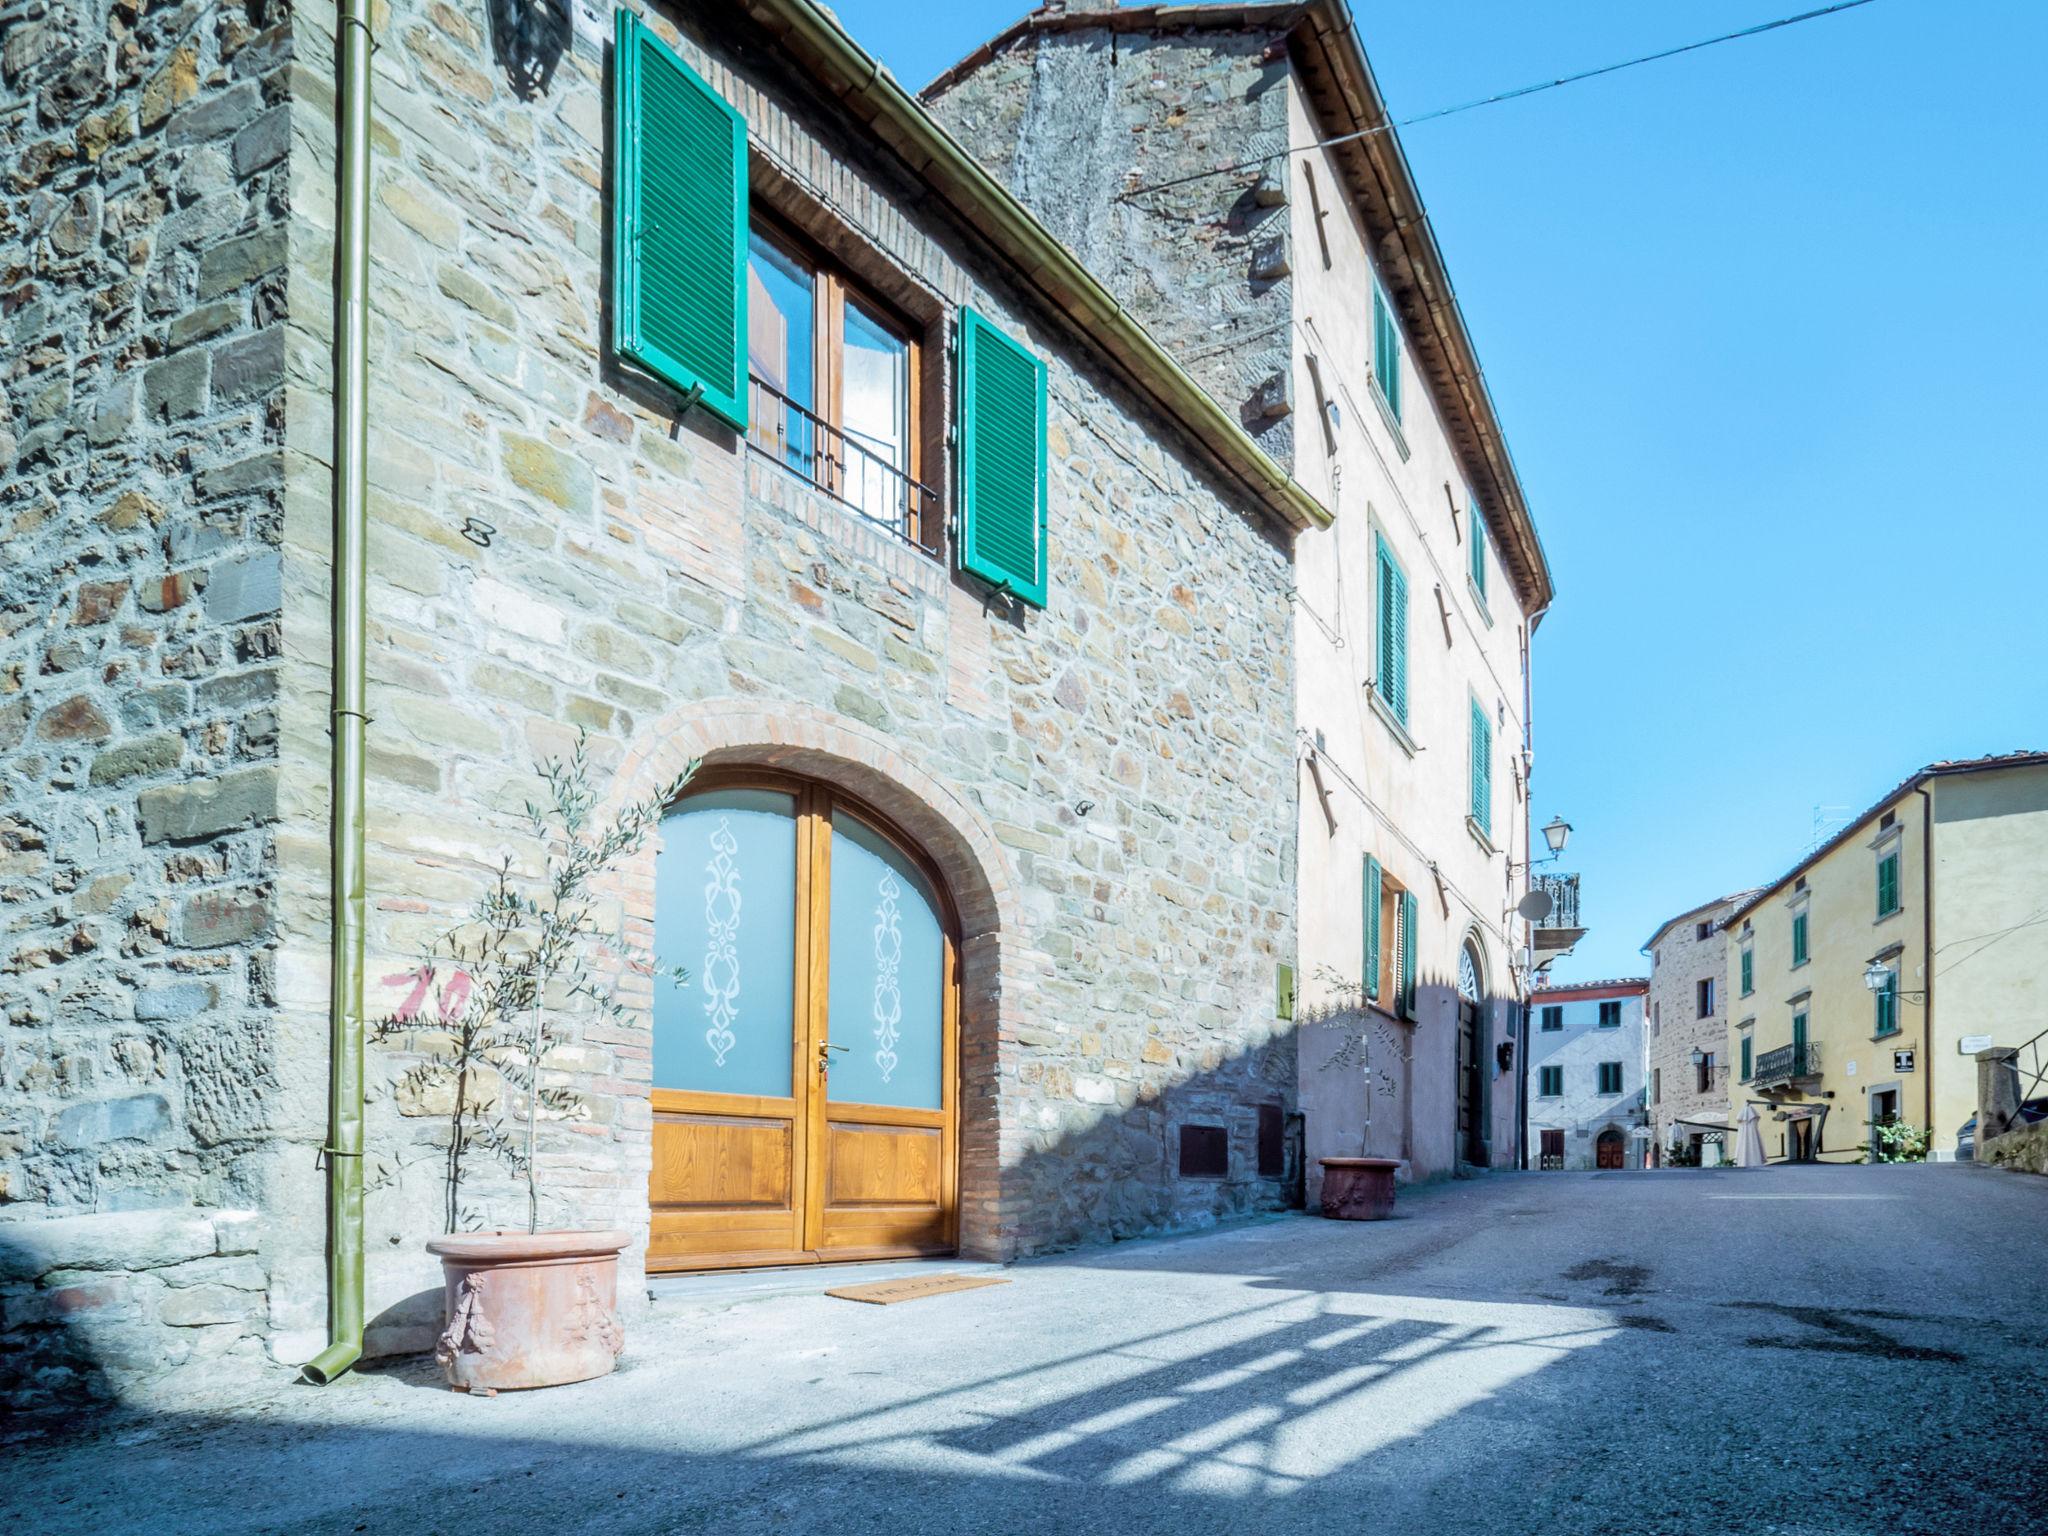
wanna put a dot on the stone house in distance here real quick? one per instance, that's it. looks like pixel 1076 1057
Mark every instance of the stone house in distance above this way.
pixel 1180 149
pixel 717 405
pixel 1687 1032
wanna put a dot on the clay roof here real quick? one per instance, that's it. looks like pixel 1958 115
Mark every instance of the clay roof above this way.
pixel 1342 91
pixel 1705 906
pixel 1945 768
pixel 1616 986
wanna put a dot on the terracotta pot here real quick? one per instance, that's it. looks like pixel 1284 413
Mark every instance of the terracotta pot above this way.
pixel 1358 1188
pixel 529 1309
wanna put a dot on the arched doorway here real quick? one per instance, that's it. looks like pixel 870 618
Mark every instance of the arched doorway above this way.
pixel 805 1093
pixel 1609 1148
pixel 1472 1137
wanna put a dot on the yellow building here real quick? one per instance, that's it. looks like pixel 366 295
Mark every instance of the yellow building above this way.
pixel 1837 1020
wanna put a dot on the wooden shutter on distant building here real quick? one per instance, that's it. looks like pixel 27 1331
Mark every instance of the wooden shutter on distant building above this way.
pixel 679 231
pixel 1410 921
pixel 1375 892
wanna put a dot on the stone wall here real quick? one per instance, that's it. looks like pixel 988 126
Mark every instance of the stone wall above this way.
pixel 2024 1150
pixel 1068 119
pixel 142 209
pixel 1674 1029
pixel 1105 782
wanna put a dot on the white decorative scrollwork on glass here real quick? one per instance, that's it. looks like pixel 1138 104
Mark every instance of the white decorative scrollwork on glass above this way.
pixel 730 1029
pixel 887 973
pixel 1468 975
pixel 721 942
pixel 888 957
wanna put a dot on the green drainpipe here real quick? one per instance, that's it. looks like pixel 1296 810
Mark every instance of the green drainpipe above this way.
pixel 351 432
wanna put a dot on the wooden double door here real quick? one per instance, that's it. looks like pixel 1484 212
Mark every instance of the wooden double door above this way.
pixel 805 1096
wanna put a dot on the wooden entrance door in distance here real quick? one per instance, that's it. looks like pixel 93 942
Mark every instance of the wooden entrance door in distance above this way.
pixel 805 1099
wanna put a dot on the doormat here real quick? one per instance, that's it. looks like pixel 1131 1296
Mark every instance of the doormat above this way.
pixel 883 1292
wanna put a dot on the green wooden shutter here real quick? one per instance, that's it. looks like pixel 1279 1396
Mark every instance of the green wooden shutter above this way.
pixel 1375 889
pixel 1478 549
pixel 1482 769
pixel 1393 633
pixel 1002 528
pixel 1888 885
pixel 1386 351
pixel 679 225
pixel 1410 913
pixel 1748 973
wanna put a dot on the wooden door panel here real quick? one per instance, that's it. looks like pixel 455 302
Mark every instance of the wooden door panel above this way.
pixel 726 1183
pixel 705 1162
pixel 874 1165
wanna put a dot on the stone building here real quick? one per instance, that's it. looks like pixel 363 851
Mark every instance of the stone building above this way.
pixel 1865 980
pixel 1585 1068
pixel 1686 1040
pixel 931 554
pixel 1181 150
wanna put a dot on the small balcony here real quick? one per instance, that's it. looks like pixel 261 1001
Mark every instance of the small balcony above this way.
pixel 862 473
pixel 1786 1065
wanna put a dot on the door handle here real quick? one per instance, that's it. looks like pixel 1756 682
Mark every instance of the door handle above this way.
pixel 825 1047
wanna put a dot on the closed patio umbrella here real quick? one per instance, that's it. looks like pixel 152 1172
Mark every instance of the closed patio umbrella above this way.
pixel 1749 1144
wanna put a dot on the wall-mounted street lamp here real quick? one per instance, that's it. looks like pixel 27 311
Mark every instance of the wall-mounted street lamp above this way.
pixel 1878 976
pixel 1556 833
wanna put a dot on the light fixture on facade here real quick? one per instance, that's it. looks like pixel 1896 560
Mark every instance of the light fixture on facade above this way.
pixel 1557 833
pixel 1699 1057
pixel 1878 977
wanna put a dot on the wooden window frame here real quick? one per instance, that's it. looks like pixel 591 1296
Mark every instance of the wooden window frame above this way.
pixel 833 282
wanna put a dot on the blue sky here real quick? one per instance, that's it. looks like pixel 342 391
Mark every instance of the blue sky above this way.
pixel 1767 326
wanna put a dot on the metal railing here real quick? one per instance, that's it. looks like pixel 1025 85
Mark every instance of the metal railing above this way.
pixel 847 469
pixel 1786 1064
pixel 1563 891
pixel 2031 1060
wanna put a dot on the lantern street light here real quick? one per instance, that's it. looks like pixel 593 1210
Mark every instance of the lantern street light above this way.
pixel 1880 977
pixel 1557 833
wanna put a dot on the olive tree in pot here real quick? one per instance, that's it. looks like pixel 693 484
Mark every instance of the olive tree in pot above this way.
pixel 527 1307
pixel 1357 1188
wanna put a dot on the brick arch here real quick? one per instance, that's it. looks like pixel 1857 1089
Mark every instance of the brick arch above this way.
pixel 819 744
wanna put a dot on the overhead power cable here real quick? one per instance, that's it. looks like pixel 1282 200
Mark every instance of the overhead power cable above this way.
pixel 1500 96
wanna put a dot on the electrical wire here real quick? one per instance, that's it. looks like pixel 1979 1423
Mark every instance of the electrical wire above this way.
pixel 1500 96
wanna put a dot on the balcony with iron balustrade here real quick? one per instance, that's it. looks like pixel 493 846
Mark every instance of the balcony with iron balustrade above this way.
pixel 1785 1066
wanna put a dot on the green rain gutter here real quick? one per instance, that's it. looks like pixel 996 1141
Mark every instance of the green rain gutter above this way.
pixel 344 1149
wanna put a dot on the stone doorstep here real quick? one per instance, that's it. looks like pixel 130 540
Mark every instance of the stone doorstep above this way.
pixel 717 1289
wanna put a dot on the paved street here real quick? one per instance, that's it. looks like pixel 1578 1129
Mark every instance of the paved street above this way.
pixel 1823 1351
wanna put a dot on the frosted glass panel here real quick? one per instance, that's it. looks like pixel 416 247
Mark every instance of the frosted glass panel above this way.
pixel 725 910
pixel 888 958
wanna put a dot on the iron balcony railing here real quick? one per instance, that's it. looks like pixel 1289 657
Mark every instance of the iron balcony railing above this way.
pixel 1786 1064
pixel 859 473
pixel 1563 891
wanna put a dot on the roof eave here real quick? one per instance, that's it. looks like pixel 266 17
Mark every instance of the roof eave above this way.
pixel 814 39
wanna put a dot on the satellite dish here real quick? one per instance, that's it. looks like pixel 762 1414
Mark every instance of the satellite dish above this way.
pixel 1535 906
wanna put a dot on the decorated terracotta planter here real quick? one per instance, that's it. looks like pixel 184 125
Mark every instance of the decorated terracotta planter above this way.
pixel 529 1309
pixel 1358 1188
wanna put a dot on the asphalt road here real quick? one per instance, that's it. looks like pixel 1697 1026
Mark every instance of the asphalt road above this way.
pixel 1819 1351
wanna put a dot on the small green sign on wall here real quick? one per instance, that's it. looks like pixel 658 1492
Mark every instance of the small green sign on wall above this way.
pixel 1283 992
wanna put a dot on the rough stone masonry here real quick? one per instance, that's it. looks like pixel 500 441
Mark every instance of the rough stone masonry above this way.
pixel 1105 784
pixel 142 291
